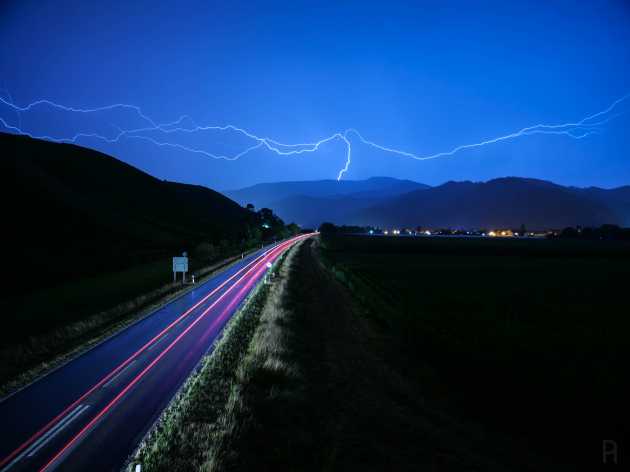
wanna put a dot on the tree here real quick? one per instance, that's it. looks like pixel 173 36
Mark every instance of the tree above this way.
pixel 266 215
pixel 293 228
pixel 327 228
pixel 250 206
pixel 569 232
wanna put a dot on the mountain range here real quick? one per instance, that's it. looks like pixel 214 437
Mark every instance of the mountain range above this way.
pixel 386 202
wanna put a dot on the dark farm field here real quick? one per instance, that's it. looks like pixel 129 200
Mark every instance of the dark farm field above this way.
pixel 528 338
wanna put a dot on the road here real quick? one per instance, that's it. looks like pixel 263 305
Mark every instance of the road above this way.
pixel 90 413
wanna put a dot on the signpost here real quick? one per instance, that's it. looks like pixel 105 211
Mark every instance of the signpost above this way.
pixel 180 264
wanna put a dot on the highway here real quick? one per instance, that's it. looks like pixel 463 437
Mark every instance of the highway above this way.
pixel 90 413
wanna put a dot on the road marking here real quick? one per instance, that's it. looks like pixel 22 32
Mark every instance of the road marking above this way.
pixel 255 271
pixel 56 430
pixel 110 381
pixel 157 342
pixel 130 359
pixel 41 442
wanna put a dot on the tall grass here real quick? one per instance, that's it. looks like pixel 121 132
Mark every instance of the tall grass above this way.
pixel 182 439
pixel 268 373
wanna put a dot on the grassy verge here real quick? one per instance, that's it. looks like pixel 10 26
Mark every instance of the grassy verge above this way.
pixel 25 361
pixel 318 391
pixel 182 438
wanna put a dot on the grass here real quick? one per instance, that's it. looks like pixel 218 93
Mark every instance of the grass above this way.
pixel 72 301
pixel 438 354
pixel 316 392
pixel 268 382
pixel 84 313
pixel 182 438
pixel 528 337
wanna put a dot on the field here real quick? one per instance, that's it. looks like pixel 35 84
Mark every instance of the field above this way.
pixel 525 337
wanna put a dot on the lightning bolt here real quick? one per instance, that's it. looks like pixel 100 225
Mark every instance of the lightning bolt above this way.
pixel 583 128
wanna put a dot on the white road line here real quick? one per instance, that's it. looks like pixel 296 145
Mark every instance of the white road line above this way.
pixel 56 430
pixel 37 445
pixel 109 382
pixel 78 410
pixel 57 459
pixel 157 342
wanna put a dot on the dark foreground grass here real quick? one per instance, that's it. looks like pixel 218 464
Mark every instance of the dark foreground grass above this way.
pixel 47 309
pixel 44 310
pixel 318 391
pixel 183 437
pixel 529 338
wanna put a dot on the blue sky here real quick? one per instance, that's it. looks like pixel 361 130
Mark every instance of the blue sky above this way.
pixel 422 77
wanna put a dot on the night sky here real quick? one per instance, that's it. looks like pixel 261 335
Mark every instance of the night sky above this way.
pixel 422 77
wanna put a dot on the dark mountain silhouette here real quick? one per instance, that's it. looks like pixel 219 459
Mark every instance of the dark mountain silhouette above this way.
pixel 72 211
pixel 617 199
pixel 309 203
pixel 504 202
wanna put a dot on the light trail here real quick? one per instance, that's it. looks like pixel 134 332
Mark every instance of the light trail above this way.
pixel 249 278
pixel 135 355
pixel 575 130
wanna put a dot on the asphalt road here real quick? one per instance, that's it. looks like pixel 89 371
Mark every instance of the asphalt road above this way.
pixel 91 413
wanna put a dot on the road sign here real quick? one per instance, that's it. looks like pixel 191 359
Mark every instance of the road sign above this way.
pixel 180 264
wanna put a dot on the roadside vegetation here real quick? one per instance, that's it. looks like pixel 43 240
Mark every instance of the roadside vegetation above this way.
pixel 322 388
pixel 182 438
pixel 525 337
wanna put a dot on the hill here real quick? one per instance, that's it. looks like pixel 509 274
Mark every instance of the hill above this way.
pixel 75 212
pixel 382 201
pixel 504 202
pixel 309 203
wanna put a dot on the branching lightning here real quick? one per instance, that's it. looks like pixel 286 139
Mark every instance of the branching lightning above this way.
pixel 592 124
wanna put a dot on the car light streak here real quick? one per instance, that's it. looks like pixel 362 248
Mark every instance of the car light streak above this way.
pixel 258 269
pixel 124 364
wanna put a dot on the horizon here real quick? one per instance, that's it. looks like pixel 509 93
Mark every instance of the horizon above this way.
pixel 423 183
pixel 426 94
pixel 226 190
